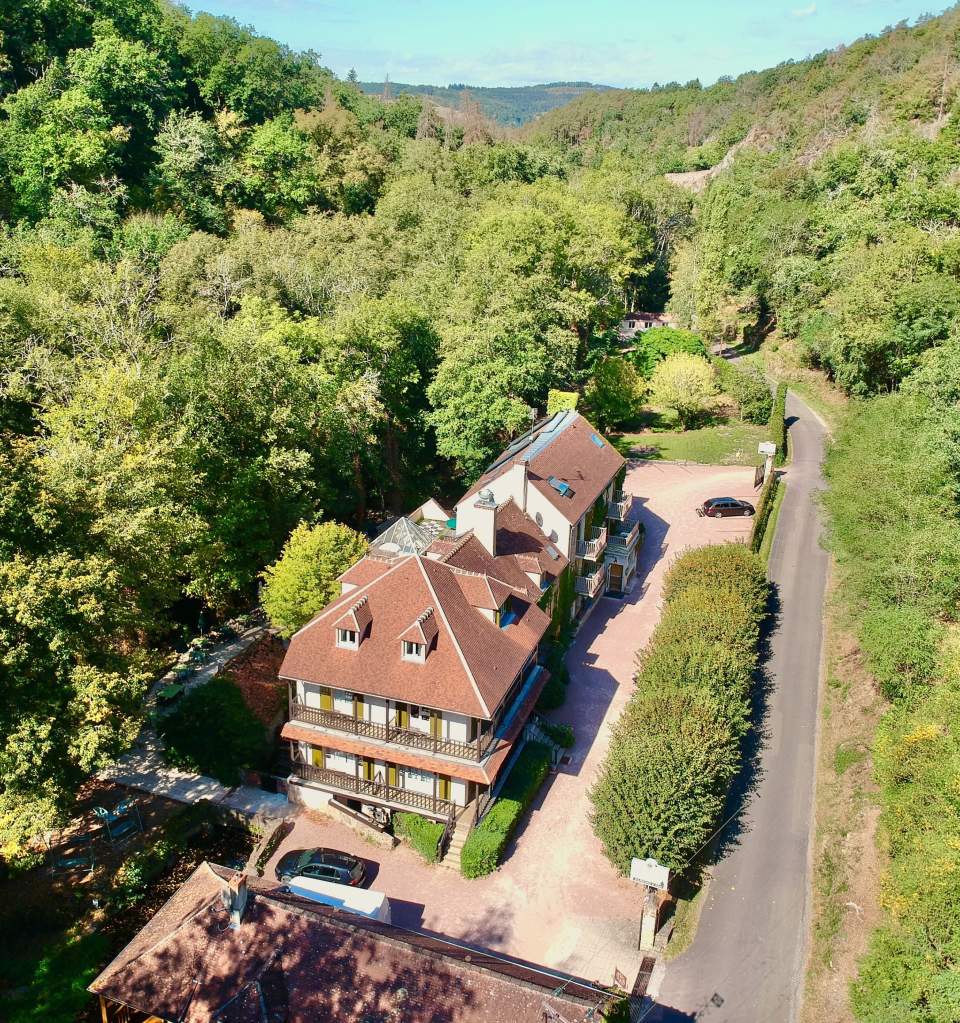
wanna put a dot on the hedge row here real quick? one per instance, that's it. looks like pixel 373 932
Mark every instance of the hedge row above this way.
pixel 749 389
pixel 485 844
pixel 778 425
pixel 423 834
pixel 764 510
pixel 676 747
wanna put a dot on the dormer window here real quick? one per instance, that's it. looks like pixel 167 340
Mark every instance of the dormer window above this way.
pixel 348 639
pixel 414 651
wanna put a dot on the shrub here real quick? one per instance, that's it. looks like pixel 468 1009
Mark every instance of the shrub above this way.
pixel 778 425
pixel 485 844
pixel 213 732
pixel 423 834
pixel 713 614
pixel 650 347
pixel 271 845
pixel 559 401
pixel 132 880
pixel 748 388
pixel 561 734
pixel 901 645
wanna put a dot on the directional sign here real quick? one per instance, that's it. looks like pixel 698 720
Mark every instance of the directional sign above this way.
pixel 767 447
pixel 650 873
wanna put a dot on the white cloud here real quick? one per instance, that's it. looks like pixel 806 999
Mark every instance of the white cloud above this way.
pixel 804 12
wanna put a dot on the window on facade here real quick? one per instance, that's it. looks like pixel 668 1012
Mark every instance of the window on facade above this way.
pixel 414 651
pixel 420 713
pixel 347 638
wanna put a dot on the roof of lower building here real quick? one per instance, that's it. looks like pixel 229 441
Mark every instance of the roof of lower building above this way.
pixel 470 665
pixel 292 960
pixel 567 461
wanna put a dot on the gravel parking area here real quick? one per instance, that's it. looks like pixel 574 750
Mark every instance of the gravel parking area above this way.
pixel 556 901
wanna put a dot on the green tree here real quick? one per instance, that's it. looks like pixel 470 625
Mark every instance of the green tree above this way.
pixel 304 579
pixel 684 383
pixel 614 394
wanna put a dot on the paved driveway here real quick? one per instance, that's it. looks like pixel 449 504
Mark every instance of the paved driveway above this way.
pixel 556 901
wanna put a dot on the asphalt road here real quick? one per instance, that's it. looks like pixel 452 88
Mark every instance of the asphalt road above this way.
pixel 746 963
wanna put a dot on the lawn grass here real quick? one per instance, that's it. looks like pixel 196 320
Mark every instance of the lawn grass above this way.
pixel 728 442
pixel 766 544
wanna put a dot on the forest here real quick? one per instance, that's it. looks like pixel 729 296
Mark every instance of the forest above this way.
pixel 238 294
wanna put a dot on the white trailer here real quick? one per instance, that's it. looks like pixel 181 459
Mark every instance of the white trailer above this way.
pixel 362 901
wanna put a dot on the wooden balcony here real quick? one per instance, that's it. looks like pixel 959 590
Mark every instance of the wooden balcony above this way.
pixel 375 791
pixel 624 537
pixel 619 506
pixel 590 585
pixel 391 733
pixel 592 547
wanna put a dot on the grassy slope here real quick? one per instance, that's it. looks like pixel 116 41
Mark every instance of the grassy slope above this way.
pixel 730 443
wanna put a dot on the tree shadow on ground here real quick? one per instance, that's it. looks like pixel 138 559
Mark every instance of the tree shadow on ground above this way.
pixel 750 775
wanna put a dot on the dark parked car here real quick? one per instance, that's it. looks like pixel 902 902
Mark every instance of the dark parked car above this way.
pixel 720 507
pixel 322 865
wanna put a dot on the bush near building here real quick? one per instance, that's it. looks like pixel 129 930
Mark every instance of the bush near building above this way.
pixel 676 746
pixel 423 834
pixel 485 844
pixel 778 423
pixel 213 732
pixel 748 387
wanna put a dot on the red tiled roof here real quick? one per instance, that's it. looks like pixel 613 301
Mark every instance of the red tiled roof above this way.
pixel 357 617
pixel 423 630
pixel 468 670
pixel 572 456
pixel 297 961
pixel 364 571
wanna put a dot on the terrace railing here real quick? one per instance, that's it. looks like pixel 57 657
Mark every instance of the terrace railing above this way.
pixel 378 791
pixel 592 547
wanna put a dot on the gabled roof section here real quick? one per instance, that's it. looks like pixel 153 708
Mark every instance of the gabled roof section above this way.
pixel 357 618
pixel 481 591
pixel 567 461
pixel 423 630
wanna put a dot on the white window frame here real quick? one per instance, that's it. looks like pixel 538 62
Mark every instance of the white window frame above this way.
pixel 347 639
pixel 411 651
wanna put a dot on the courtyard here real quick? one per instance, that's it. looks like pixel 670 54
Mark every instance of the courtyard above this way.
pixel 556 900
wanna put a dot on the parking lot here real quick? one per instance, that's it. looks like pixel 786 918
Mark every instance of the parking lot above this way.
pixel 556 901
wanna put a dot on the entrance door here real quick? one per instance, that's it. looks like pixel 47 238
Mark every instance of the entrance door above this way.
pixel 615 577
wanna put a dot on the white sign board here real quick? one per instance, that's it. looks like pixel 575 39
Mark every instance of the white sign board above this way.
pixel 650 873
pixel 767 447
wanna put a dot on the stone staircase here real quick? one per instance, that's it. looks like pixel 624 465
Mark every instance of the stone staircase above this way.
pixel 461 828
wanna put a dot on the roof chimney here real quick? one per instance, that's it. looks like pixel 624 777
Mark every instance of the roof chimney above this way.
pixel 484 520
pixel 234 897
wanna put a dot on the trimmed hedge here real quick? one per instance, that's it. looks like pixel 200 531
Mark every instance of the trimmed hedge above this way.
pixel 485 844
pixel 778 425
pixel 423 834
pixel 764 510
pixel 676 746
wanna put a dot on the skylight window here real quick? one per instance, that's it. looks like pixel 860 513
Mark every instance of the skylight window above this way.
pixel 553 552
pixel 596 440
pixel 563 489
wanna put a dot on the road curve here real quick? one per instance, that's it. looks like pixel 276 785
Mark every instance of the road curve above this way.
pixel 746 963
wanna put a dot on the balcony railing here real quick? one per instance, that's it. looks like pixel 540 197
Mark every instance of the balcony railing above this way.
pixel 377 791
pixel 625 536
pixel 591 548
pixel 590 585
pixel 391 733
pixel 619 506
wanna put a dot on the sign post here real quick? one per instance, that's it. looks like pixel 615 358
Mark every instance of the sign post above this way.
pixel 655 878
pixel 769 450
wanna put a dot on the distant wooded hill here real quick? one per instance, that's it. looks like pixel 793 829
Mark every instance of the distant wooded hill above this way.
pixel 503 104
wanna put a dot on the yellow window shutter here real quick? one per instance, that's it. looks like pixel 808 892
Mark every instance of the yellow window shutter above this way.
pixel 326 699
pixel 316 756
pixel 392 774
pixel 436 724
pixel 443 789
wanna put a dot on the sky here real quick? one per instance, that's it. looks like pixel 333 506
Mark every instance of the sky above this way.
pixel 631 43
